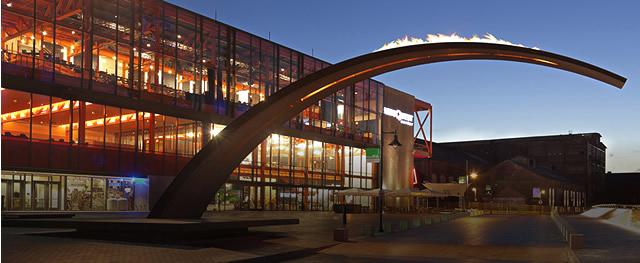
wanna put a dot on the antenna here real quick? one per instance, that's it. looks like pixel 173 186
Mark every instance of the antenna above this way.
pixel 215 14
pixel 269 35
pixel 312 52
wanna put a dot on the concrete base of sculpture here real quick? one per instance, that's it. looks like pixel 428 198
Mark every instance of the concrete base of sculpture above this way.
pixel 149 229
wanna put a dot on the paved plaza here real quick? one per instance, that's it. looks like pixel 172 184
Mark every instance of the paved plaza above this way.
pixel 605 241
pixel 488 238
pixel 469 239
pixel 473 239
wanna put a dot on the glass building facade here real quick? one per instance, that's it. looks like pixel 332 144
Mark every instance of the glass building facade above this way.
pixel 98 96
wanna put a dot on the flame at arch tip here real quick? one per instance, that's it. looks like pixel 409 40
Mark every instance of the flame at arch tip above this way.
pixel 442 38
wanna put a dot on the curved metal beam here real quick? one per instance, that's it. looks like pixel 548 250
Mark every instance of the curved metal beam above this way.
pixel 194 187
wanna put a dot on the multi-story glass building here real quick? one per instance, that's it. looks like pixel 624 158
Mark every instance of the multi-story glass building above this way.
pixel 101 98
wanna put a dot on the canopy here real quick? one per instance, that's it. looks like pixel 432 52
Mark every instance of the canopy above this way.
pixel 391 193
pixel 351 191
pixel 447 189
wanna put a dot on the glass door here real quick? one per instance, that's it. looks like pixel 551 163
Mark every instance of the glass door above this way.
pixel 5 198
pixel 54 196
pixel 40 195
pixel 17 198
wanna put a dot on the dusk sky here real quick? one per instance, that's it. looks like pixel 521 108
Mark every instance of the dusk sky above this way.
pixel 479 99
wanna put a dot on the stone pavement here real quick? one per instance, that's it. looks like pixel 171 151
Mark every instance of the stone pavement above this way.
pixel 271 243
pixel 605 242
pixel 468 239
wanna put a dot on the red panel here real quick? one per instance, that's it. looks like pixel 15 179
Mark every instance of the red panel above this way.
pixel 152 164
pixel 90 158
pixel 60 155
pixel 39 154
pixel 15 152
pixel 111 160
pixel 169 165
pixel 127 161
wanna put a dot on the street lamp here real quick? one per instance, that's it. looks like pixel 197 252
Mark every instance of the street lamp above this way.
pixel 395 143
pixel 475 194
pixel 471 176
pixel 541 202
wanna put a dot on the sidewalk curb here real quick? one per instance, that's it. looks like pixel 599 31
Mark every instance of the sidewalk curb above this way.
pixel 573 258
pixel 367 231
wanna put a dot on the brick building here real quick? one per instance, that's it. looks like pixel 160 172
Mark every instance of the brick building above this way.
pixel 580 158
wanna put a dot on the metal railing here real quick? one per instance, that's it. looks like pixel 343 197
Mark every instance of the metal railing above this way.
pixel 575 239
pixel 617 206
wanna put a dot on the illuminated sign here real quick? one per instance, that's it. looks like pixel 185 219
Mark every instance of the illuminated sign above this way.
pixel 404 118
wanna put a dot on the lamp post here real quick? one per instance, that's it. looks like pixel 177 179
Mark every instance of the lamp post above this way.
pixel 395 144
pixel 472 176
pixel 541 202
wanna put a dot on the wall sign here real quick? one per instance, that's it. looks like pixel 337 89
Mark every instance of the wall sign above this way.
pixel 373 155
pixel 402 117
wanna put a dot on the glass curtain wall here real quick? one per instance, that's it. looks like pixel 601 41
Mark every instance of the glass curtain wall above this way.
pixel 46 191
pixel 282 171
pixel 157 52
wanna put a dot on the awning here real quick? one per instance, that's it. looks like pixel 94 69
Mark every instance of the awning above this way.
pixel 390 193
pixel 351 191
pixel 447 189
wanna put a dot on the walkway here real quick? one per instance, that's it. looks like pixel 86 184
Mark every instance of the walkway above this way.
pixel 469 239
pixel 265 243
pixel 605 242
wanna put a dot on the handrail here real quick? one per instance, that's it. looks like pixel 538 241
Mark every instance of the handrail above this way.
pixel 617 206
pixel 575 239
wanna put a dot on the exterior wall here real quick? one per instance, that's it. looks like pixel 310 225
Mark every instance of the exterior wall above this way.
pixel 53 191
pixel 520 180
pixel 578 157
pixel 622 188
pixel 135 88
pixel 398 162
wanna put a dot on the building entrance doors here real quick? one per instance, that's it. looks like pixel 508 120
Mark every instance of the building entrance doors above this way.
pixel 21 194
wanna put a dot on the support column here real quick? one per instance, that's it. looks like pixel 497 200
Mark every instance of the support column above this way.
pixel 82 118
pixel 152 132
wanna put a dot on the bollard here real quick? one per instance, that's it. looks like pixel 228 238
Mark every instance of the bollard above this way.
pixel 403 226
pixel 415 223
pixel 576 241
pixel 387 227
pixel 341 234
pixel 367 230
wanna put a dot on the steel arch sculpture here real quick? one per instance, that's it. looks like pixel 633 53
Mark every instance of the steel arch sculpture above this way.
pixel 194 187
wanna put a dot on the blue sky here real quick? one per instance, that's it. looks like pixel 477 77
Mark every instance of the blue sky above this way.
pixel 479 99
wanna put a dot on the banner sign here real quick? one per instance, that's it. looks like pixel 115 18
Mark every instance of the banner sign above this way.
pixel 402 117
pixel 373 155
pixel 536 192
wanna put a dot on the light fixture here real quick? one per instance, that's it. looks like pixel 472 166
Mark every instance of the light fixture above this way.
pixel 9 4
pixel 395 143
pixel 44 33
pixel 473 175
pixel 73 32
pixel 148 45
pixel 179 36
